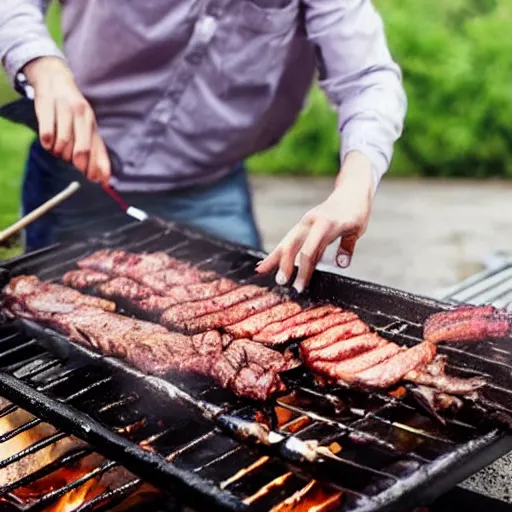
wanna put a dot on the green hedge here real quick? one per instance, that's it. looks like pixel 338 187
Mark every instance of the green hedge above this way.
pixel 456 57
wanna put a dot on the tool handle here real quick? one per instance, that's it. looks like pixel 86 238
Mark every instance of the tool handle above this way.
pixel 39 212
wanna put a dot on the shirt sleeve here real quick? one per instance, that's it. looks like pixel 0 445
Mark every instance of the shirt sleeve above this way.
pixel 23 34
pixel 359 76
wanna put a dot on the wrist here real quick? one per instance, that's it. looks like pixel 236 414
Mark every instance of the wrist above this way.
pixel 42 67
pixel 357 171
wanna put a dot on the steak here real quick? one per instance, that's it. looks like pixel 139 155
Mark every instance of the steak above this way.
pixel 344 349
pixel 84 278
pixel 255 323
pixel 301 318
pixel 304 330
pixel 177 315
pixel 233 314
pixel 345 369
pixel 394 369
pixel 334 334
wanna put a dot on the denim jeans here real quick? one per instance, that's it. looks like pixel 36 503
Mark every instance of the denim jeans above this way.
pixel 223 208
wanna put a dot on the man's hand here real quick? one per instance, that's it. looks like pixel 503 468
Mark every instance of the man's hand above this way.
pixel 67 124
pixel 345 213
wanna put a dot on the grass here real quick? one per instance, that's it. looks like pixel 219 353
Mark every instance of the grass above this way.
pixel 14 143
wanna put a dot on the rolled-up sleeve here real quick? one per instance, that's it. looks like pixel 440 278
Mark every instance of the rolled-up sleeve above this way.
pixel 23 34
pixel 359 76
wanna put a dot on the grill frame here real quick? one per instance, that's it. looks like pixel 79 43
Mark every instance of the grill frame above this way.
pixel 441 475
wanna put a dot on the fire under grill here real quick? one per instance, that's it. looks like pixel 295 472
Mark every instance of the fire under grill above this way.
pixel 131 437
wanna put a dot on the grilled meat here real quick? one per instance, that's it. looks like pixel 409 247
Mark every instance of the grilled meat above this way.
pixel 434 375
pixel 84 278
pixel 334 334
pixel 177 315
pixel 165 279
pixel 150 347
pixel 251 369
pixel 392 370
pixel 301 318
pixel 345 370
pixel 126 264
pixel 306 329
pixel 156 304
pixel 125 288
pixel 255 323
pixel 27 293
pixel 344 349
pixel 467 323
pixel 435 401
pixel 234 314
pixel 201 291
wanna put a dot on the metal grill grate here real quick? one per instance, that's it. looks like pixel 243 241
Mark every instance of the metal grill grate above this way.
pixel 392 455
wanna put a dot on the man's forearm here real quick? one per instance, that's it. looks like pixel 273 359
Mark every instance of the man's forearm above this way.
pixel 359 75
pixel 23 35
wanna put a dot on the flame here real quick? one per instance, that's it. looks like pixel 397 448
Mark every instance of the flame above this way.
pixel 24 440
pixel 60 478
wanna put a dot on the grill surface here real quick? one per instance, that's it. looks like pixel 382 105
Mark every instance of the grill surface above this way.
pixel 393 457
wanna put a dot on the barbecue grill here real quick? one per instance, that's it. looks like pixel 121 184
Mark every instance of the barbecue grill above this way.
pixel 387 454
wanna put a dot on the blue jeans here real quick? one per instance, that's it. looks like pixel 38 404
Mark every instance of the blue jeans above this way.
pixel 223 208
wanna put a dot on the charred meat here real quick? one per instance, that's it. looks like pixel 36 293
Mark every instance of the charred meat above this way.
pixel 467 324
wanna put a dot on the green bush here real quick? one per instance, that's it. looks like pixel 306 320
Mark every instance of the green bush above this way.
pixel 456 58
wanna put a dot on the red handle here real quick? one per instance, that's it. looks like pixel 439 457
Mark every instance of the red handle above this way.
pixel 116 197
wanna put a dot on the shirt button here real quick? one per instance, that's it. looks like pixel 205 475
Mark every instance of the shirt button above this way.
pixel 195 58
pixel 214 11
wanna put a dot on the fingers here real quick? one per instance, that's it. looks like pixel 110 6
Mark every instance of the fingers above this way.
pixel 45 112
pixel 64 131
pixel 98 169
pixel 68 129
pixel 84 126
pixel 313 247
pixel 283 256
pixel 346 250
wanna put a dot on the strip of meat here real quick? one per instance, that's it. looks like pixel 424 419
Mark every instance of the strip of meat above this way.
pixel 306 316
pixel 156 304
pixel 471 329
pixel 436 320
pixel 127 264
pixel 334 334
pixel 48 297
pixel 345 349
pixel 157 270
pixel 105 260
pixel 201 291
pixel 233 314
pixel 84 278
pixel 344 370
pixel 177 315
pixel 393 370
pixel 165 279
pixel 435 401
pixel 308 329
pixel 255 323
pixel 434 375
pixel 125 288
pixel 446 383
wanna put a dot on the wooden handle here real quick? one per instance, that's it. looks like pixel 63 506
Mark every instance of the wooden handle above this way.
pixel 39 212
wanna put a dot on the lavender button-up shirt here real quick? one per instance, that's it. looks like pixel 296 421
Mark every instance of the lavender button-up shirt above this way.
pixel 184 89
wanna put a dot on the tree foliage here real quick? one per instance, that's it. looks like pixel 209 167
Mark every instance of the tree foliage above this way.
pixel 456 59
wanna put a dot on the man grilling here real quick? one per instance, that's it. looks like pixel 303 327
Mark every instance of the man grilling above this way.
pixel 183 92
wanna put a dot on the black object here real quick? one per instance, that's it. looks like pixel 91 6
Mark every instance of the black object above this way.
pixel 393 457
pixel 22 111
